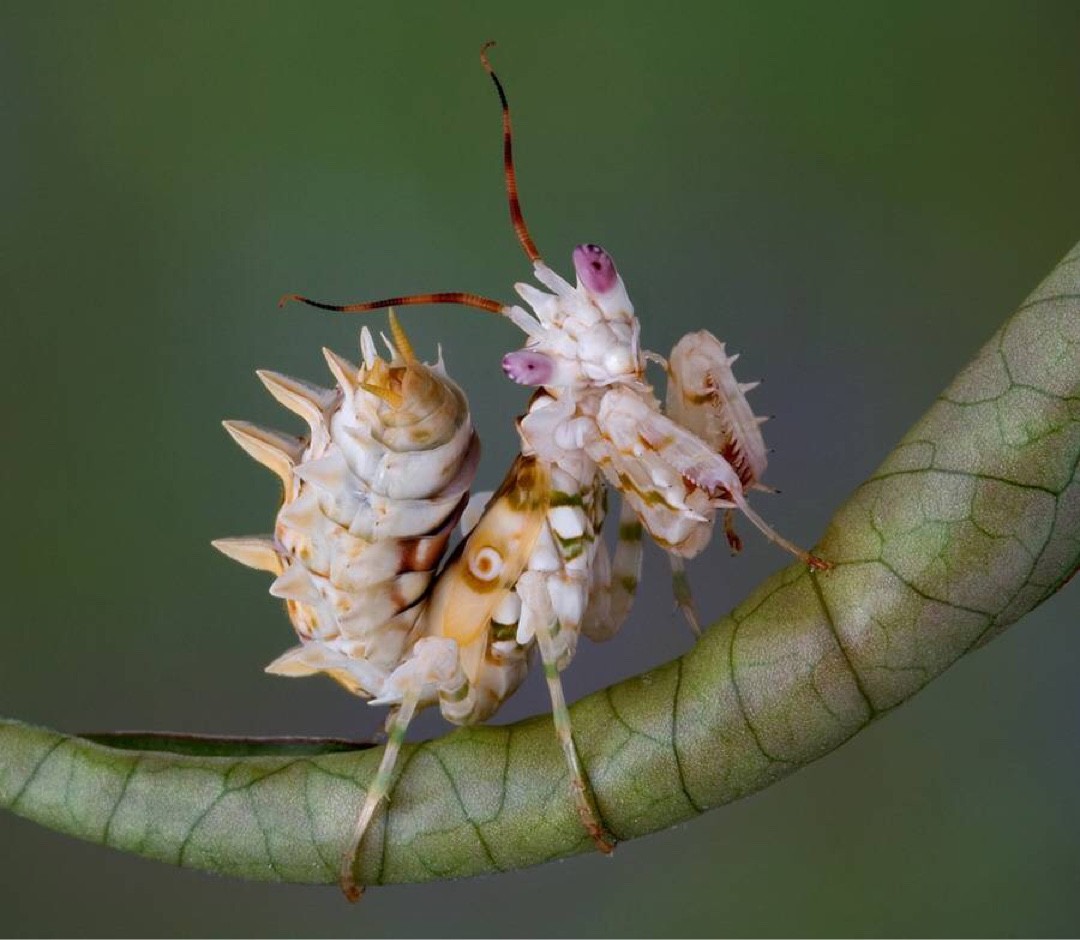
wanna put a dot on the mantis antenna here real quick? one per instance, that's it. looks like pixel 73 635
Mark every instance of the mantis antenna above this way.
pixel 516 218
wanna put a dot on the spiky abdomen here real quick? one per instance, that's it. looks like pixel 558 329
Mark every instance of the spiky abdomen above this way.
pixel 371 498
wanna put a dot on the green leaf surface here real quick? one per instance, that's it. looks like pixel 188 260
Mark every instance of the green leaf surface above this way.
pixel 972 521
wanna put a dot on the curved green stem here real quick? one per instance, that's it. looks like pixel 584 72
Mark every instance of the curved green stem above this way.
pixel 972 520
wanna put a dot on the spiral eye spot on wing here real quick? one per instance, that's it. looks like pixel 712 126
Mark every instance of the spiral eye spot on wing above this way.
pixel 486 564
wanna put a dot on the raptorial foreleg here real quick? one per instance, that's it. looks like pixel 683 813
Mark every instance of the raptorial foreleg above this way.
pixel 639 439
pixel 704 396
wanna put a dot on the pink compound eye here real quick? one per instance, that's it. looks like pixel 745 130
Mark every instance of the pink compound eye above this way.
pixel 528 368
pixel 595 269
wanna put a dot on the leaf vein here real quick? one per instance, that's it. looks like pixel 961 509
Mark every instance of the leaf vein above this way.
pixel 14 802
pixel 464 809
pixel 679 769
pixel 831 624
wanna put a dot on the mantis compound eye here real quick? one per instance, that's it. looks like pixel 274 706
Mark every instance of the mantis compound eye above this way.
pixel 527 367
pixel 595 269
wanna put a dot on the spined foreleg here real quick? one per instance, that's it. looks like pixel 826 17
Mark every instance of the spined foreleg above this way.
pixel 704 396
pixel 642 441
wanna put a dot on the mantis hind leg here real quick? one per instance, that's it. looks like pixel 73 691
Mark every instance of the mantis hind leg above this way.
pixel 434 661
pixel 397 722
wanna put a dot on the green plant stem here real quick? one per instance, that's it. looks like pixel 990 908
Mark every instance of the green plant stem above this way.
pixel 972 521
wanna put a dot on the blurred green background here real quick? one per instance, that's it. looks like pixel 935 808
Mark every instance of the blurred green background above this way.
pixel 852 195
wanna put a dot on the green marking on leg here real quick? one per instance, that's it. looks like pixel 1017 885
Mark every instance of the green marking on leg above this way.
pixel 559 498
pixel 571 547
pixel 503 631
pixel 459 694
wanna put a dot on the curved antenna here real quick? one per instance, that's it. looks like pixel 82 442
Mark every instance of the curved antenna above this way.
pixel 516 217
pixel 454 297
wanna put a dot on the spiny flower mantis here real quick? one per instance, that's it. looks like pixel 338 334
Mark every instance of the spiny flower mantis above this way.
pixel 533 569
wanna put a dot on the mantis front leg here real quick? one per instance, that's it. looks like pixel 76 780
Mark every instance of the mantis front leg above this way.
pixel 674 479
